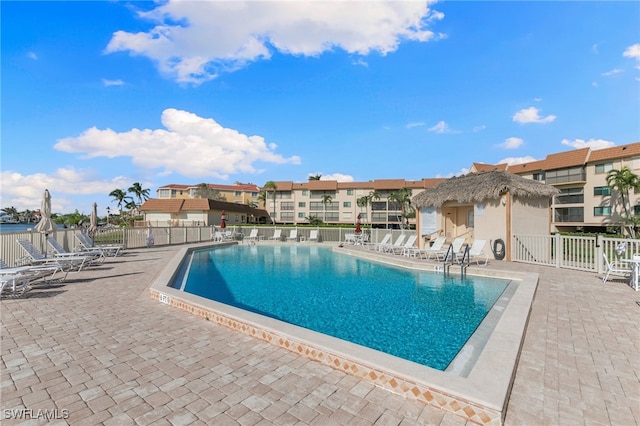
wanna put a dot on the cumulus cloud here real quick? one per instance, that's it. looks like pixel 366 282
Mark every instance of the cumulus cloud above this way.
pixel 512 143
pixel 633 51
pixel 108 83
pixel 442 127
pixel 591 143
pixel 194 41
pixel 517 160
pixel 338 177
pixel 531 115
pixel 193 146
pixel 25 191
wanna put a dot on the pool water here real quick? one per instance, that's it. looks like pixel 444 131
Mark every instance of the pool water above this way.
pixel 415 315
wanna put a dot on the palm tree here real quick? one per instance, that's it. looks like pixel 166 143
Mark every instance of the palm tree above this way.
pixel 138 192
pixel 271 186
pixel 623 181
pixel 204 191
pixel 315 177
pixel 11 211
pixel 402 198
pixel 326 198
pixel 120 196
pixel 373 195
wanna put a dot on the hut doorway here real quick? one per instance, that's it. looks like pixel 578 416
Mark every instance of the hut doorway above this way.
pixel 450 222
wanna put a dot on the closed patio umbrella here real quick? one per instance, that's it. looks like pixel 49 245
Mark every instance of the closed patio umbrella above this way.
pixel 46 225
pixel 358 229
pixel 223 223
pixel 93 220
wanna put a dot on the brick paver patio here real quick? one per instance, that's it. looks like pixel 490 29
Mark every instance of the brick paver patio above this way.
pixel 98 350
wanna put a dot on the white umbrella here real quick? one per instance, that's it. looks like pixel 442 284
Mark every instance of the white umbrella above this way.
pixel 46 225
pixel 93 220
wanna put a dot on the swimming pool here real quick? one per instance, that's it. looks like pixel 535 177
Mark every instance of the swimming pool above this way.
pixel 475 386
pixel 415 315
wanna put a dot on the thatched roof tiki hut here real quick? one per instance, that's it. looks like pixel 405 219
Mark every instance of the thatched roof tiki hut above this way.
pixel 492 205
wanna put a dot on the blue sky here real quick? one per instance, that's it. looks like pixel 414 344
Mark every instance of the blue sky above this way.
pixel 99 95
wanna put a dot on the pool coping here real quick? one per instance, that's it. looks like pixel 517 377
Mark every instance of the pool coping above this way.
pixel 480 397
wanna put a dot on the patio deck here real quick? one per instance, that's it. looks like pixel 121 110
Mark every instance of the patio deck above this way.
pixel 99 350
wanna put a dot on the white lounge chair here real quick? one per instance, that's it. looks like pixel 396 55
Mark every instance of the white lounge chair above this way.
pixel 389 248
pixel 313 235
pixel 33 256
pixel 455 248
pixel 435 250
pixel 277 235
pixel 615 267
pixel 408 246
pixel 477 253
pixel 87 243
pixel 253 235
pixel 96 255
pixel 293 235
pixel 383 243
pixel 14 281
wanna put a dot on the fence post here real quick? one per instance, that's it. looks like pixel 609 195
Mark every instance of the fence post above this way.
pixel 599 251
pixel 559 251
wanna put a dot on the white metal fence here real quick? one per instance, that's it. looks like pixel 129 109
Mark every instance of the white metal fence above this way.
pixel 572 252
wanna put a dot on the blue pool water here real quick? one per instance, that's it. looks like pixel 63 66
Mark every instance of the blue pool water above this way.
pixel 418 316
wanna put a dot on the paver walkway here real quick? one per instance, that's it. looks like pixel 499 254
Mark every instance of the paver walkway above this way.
pixel 98 350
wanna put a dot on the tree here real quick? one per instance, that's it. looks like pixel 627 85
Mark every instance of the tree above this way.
pixel 326 199
pixel 120 196
pixel 140 194
pixel 205 191
pixel 623 181
pixel 314 220
pixel 11 211
pixel 315 177
pixel 402 198
pixel 273 187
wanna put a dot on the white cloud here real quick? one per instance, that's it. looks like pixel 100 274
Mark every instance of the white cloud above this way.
pixel 591 143
pixel 414 124
pixel 337 177
pixel 594 84
pixel 512 143
pixel 633 51
pixel 479 128
pixel 531 115
pixel 517 160
pixel 193 146
pixel 194 41
pixel 595 48
pixel 25 191
pixel 537 99
pixel 361 62
pixel 612 72
pixel 442 127
pixel 32 55
pixel 112 82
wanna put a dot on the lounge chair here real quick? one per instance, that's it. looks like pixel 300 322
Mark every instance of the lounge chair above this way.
pixel 615 267
pixel 96 255
pixel 455 248
pixel 350 238
pixel 33 256
pixel 313 235
pixel 390 248
pixel 87 243
pixel 434 250
pixel 253 235
pixel 477 253
pixel 293 235
pixel 383 243
pixel 408 246
pixel 14 281
pixel 277 235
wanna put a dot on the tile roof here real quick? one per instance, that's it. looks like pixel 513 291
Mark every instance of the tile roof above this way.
pixel 615 152
pixel 173 205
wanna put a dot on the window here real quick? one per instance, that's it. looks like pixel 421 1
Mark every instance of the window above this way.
pixel 329 216
pixel 237 193
pixel 470 218
pixel 604 168
pixel 379 217
pixel 283 195
pixel 538 176
pixel 302 204
pixel 346 204
pixel 286 205
pixel 349 191
pixel 363 215
pixel 379 205
pixel 601 190
pixel 254 194
pixel 286 216
pixel 574 174
pixel 301 215
pixel 569 214
pixel 602 211
pixel 305 192
pixel 164 193
pixel 570 196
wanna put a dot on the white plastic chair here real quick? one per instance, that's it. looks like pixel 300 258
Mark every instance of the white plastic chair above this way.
pixel 313 235
pixel 477 253
pixel 616 267
pixel 293 235
pixel 277 235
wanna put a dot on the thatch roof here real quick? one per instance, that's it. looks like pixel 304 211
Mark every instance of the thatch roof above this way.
pixel 479 187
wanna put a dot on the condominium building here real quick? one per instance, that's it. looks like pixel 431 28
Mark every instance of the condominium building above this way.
pixel 585 202
pixel 341 202
pixel 238 193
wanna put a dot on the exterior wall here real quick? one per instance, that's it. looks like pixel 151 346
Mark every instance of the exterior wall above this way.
pixel 530 217
pixel 490 221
